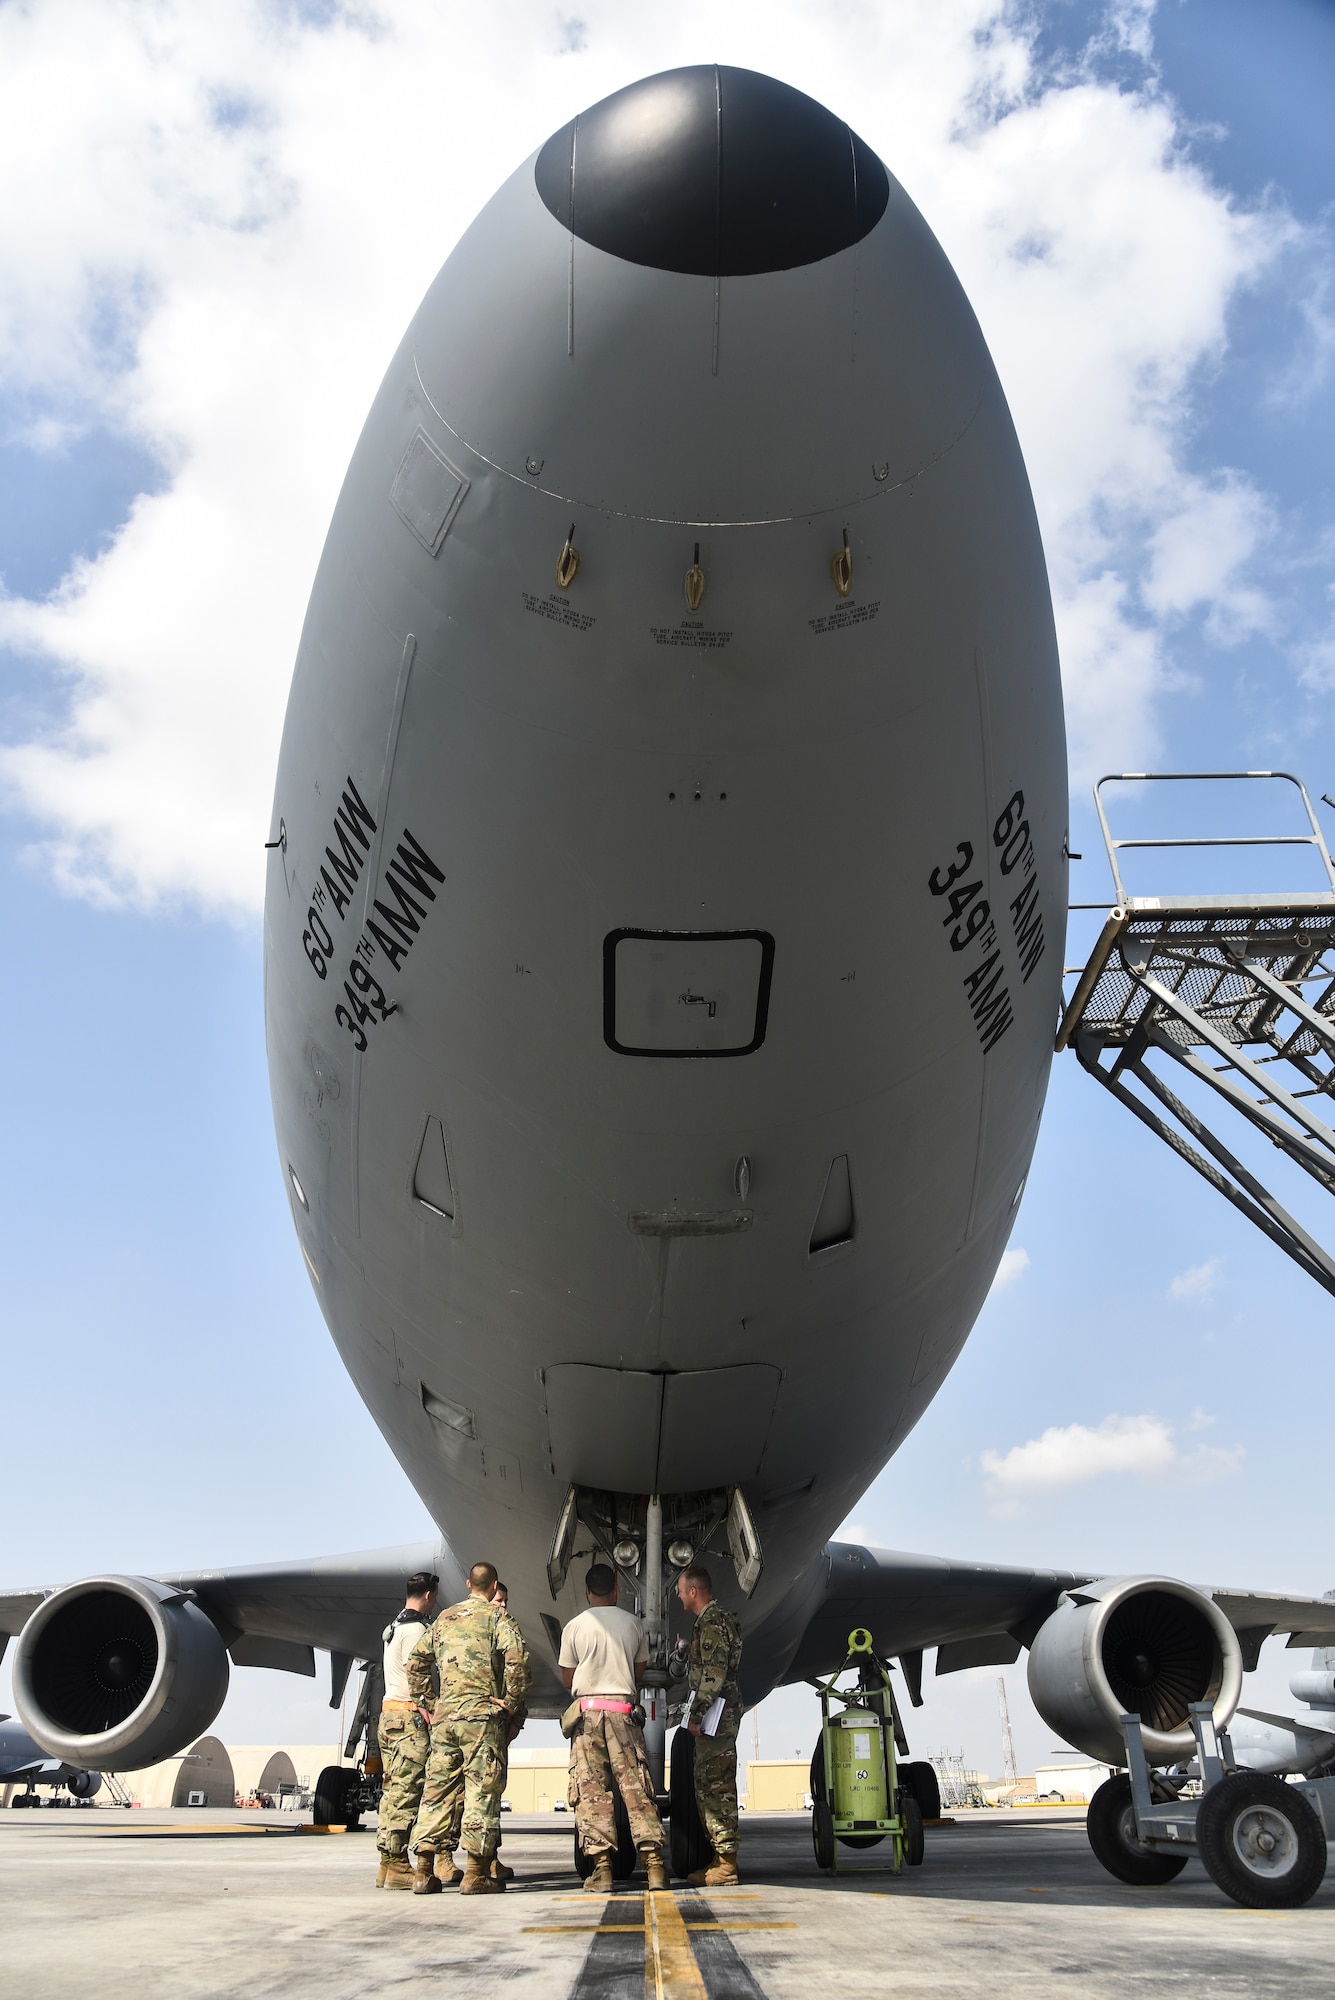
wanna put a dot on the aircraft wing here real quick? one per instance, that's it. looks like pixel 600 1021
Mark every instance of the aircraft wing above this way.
pixel 275 1614
pixel 976 1614
pixel 982 1614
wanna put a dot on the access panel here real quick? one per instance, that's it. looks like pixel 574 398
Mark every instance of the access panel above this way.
pixel 686 993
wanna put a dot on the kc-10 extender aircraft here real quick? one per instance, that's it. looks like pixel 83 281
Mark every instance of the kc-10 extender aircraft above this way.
pixel 663 943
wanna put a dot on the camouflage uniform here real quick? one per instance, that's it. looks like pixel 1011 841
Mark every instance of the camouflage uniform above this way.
pixel 478 1655
pixel 608 1751
pixel 716 1651
pixel 404 1745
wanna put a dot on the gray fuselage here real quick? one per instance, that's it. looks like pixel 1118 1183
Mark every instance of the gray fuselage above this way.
pixel 489 784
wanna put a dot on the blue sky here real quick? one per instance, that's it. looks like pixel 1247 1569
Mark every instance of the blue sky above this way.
pixel 199 296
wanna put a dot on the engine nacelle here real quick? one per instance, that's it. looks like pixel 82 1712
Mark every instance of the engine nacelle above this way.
pixel 84 1784
pixel 1141 1645
pixel 1315 1685
pixel 117 1672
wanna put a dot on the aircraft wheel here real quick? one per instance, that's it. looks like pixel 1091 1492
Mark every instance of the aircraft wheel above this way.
pixel 1110 1827
pixel 334 1792
pixel 914 1844
pixel 1261 1842
pixel 625 1856
pixel 922 1784
pixel 689 1843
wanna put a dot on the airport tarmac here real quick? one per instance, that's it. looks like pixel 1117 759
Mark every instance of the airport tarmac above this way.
pixel 129 1906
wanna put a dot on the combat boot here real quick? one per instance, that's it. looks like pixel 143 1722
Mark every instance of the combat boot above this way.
pixel 723 1875
pixel 426 1882
pixel 397 1873
pixel 478 1878
pixel 382 1870
pixel 500 1871
pixel 447 1874
pixel 600 1883
pixel 655 1874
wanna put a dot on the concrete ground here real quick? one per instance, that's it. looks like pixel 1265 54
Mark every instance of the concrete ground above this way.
pixel 133 1905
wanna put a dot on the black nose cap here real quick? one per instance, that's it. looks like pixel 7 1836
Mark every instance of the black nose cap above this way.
pixel 715 172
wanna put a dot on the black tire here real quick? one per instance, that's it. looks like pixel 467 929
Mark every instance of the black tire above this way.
pixel 914 1844
pixel 921 1783
pixel 334 1791
pixel 625 1857
pixel 822 1832
pixel 689 1845
pixel 1110 1827
pixel 1236 1822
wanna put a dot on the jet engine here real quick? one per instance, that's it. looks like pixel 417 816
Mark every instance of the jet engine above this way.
pixel 1139 1645
pixel 117 1672
pixel 84 1784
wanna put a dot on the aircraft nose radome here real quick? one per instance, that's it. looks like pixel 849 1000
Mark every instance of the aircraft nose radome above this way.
pixel 714 172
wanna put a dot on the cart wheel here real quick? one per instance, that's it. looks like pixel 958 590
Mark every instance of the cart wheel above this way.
pixel 914 1844
pixel 1111 1827
pixel 1261 1842
pixel 690 1844
pixel 822 1818
pixel 822 1833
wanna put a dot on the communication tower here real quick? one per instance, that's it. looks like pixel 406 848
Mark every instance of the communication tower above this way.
pixel 1007 1740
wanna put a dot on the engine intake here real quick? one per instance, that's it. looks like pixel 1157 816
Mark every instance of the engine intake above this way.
pixel 1143 1645
pixel 118 1672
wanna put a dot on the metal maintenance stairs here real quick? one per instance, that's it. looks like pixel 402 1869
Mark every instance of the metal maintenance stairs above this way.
pixel 1239 993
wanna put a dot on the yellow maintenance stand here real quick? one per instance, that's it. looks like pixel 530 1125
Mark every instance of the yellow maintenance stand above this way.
pixel 857 1799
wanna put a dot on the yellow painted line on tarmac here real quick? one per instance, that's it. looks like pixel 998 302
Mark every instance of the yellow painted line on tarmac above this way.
pixel 637 1930
pixel 199 1832
pixel 583 1930
pixel 670 1968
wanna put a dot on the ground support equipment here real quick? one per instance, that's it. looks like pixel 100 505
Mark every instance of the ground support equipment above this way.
pixel 1262 1839
pixel 1234 992
pixel 857 1796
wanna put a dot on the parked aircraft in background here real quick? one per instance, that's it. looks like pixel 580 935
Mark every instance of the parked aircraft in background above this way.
pixel 23 1762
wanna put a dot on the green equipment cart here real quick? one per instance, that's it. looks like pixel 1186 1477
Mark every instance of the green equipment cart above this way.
pixel 857 1798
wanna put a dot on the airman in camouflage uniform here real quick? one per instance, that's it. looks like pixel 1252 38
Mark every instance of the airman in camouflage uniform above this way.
pixel 476 1654
pixel 602 1660
pixel 403 1735
pixel 716 1652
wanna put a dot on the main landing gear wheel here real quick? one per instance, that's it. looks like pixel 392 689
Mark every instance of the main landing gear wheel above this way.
pixel 1261 1842
pixel 336 1789
pixel 689 1843
pixel 623 1861
pixel 921 1783
pixel 1110 1826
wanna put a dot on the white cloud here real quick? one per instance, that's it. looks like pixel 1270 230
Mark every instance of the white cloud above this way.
pixel 1197 1282
pixel 1013 1264
pixel 856 1531
pixel 1143 1447
pixel 223 234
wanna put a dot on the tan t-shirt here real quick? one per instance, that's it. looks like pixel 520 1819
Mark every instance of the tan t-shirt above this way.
pixel 602 1645
pixel 399 1642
